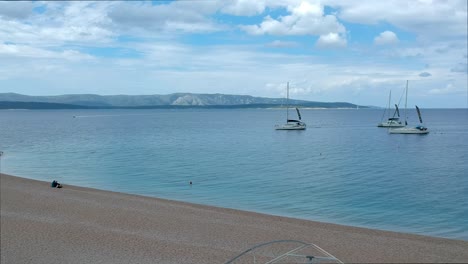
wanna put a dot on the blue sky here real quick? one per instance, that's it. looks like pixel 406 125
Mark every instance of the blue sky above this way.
pixel 330 50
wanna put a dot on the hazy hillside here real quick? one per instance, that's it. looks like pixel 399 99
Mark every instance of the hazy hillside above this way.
pixel 149 101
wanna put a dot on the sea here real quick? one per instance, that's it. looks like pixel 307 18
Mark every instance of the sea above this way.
pixel 343 169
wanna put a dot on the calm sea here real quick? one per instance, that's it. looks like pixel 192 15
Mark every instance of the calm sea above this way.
pixel 342 169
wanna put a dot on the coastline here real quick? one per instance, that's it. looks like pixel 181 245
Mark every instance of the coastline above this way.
pixel 74 224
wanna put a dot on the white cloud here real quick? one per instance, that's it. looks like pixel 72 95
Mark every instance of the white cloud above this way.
pixel 77 22
pixel 12 50
pixel 16 10
pixel 173 17
pixel 448 89
pixel 386 38
pixel 244 7
pixel 331 40
pixel 307 9
pixel 268 26
pixel 428 19
pixel 99 23
pixel 282 44
pixel 305 19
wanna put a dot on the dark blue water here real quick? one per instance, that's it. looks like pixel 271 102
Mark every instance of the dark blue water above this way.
pixel 342 169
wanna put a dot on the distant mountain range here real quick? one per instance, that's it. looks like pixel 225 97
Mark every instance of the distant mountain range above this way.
pixel 175 100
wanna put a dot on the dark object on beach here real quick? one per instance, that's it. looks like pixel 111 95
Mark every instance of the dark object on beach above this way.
pixel 55 184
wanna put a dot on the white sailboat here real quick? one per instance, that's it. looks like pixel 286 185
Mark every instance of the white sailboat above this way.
pixel 393 121
pixel 291 124
pixel 420 129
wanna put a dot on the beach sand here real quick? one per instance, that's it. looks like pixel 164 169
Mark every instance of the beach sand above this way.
pixel 40 224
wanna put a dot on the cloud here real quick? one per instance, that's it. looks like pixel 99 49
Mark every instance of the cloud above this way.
pixel 306 9
pixel 16 10
pixel 282 44
pixel 244 7
pixel 173 17
pixel 331 40
pixel 386 38
pixel 440 58
pixel 448 89
pixel 25 51
pixel 460 67
pixel 59 23
pixel 304 19
pixel 428 19
pixel 425 74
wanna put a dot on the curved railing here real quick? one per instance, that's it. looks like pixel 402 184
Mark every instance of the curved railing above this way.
pixel 318 254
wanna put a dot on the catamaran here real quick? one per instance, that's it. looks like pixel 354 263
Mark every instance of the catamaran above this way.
pixel 291 124
pixel 420 129
pixel 393 121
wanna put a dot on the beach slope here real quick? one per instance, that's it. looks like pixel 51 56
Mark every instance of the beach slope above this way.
pixel 40 224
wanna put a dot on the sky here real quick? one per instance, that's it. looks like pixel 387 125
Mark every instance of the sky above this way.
pixel 329 50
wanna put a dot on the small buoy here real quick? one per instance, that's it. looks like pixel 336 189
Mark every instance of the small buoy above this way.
pixel 190 182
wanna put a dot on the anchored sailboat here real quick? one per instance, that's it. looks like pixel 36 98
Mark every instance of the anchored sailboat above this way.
pixel 420 129
pixel 393 121
pixel 291 124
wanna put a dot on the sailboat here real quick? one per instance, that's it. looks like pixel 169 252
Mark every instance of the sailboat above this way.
pixel 420 129
pixel 291 124
pixel 393 121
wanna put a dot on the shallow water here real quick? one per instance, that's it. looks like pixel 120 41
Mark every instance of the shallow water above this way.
pixel 342 169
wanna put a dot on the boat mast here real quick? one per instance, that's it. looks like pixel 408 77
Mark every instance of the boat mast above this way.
pixel 389 99
pixel 287 104
pixel 406 103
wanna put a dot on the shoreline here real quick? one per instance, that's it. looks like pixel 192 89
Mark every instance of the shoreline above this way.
pixel 40 224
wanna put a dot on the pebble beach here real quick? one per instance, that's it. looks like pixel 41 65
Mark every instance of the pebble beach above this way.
pixel 40 224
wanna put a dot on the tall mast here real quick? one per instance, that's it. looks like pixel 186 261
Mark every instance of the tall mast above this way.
pixel 406 103
pixel 389 99
pixel 287 104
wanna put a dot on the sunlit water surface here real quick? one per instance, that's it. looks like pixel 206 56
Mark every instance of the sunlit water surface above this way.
pixel 342 169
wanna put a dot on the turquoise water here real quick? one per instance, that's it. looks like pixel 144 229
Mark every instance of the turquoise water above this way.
pixel 342 169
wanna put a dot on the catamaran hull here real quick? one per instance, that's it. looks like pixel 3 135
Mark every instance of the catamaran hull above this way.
pixel 408 131
pixel 290 127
